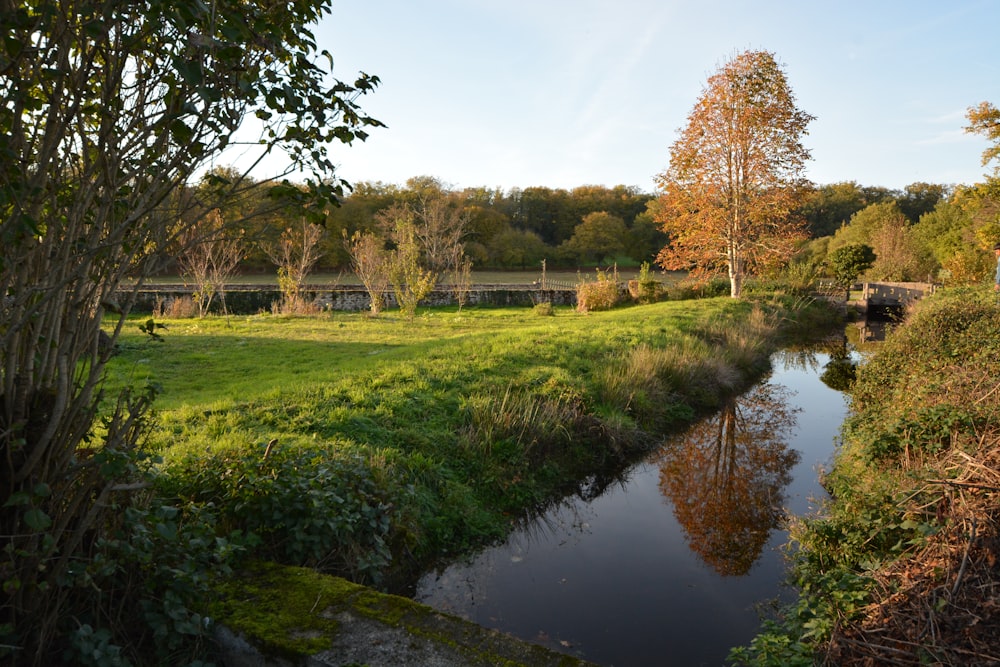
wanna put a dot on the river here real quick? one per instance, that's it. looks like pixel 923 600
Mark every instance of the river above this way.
pixel 673 564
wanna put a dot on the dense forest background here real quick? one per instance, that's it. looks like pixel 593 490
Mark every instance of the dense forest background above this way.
pixel 923 232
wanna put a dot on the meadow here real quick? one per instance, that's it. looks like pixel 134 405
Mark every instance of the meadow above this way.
pixel 370 447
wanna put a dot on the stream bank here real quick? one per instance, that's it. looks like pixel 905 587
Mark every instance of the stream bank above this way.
pixel 681 553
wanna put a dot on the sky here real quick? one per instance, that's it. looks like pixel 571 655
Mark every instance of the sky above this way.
pixel 564 93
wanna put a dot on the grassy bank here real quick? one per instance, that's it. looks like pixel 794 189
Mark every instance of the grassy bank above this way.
pixel 366 447
pixel 901 568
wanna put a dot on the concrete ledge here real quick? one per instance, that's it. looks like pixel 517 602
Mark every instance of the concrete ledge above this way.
pixel 277 616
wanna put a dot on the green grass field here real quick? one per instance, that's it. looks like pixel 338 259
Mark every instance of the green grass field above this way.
pixel 461 421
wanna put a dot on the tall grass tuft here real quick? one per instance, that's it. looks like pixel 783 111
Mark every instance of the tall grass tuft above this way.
pixel 536 424
pixel 746 345
pixel 661 387
pixel 175 307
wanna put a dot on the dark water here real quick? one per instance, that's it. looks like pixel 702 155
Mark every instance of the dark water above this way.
pixel 671 565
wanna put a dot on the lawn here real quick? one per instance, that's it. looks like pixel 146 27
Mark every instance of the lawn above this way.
pixel 450 425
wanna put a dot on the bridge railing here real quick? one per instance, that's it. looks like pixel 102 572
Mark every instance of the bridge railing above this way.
pixel 895 293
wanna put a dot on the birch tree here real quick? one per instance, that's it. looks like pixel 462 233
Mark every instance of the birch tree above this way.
pixel 736 174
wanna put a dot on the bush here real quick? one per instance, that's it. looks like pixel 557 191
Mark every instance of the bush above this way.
pixel 600 294
pixel 918 394
pixel 704 290
pixel 645 288
pixel 139 595
pixel 320 507
pixel 544 309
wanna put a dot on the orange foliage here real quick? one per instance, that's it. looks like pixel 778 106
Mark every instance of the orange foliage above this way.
pixel 726 478
pixel 736 174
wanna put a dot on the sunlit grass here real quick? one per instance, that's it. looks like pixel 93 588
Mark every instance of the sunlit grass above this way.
pixel 484 412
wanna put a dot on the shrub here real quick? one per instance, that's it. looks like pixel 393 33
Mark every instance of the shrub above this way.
pixel 296 304
pixel 600 294
pixel 645 288
pixel 138 596
pixel 703 290
pixel 544 309
pixel 320 507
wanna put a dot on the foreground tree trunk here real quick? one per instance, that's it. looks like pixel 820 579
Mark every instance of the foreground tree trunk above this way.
pixel 108 108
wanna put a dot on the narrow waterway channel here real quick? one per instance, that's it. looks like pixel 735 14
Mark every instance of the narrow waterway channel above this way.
pixel 672 564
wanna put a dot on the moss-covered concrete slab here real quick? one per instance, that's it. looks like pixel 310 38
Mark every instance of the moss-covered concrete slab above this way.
pixel 272 615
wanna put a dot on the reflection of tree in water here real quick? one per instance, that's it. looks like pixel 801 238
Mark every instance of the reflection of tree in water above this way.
pixel 840 371
pixel 726 478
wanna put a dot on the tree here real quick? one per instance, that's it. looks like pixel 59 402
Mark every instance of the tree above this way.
pixel 645 238
pixel 944 231
pixel 920 198
pixel 984 119
pixel 829 207
pixel 295 255
pixel 108 110
pixel 736 174
pixel 898 253
pixel 512 248
pixel 440 227
pixel 850 261
pixel 370 262
pixel 600 235
pixel 209 255
pixel 411 282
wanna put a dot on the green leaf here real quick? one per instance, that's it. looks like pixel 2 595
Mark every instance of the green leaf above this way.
pixel 167 531
pixel 37 519
pixel 180 131
pixel 189 70
pixel 19 498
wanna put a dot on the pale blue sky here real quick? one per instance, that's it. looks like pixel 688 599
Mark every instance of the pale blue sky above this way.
pixel 562 93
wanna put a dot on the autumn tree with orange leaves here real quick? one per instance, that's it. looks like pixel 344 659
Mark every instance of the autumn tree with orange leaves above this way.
pixel 984 119
pixel 736 175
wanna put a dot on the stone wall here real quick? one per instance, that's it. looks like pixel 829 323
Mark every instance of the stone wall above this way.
pixel 248 301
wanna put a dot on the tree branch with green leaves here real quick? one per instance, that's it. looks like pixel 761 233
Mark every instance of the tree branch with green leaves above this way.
pixel 110 108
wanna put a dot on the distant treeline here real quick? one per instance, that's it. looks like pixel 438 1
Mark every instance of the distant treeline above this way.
pixel 593 225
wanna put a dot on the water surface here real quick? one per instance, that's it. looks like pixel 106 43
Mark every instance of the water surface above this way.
pixel 671 565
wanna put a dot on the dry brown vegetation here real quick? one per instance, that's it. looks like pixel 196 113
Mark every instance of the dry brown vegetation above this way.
pixel 941 603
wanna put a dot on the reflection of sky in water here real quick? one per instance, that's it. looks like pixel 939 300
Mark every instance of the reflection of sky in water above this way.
pixel 614 580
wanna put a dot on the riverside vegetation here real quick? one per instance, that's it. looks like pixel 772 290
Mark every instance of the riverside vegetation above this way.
pixel 372 447
pixel 901 566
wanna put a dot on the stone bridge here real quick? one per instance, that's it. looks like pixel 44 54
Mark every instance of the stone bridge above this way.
pixel 890 295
